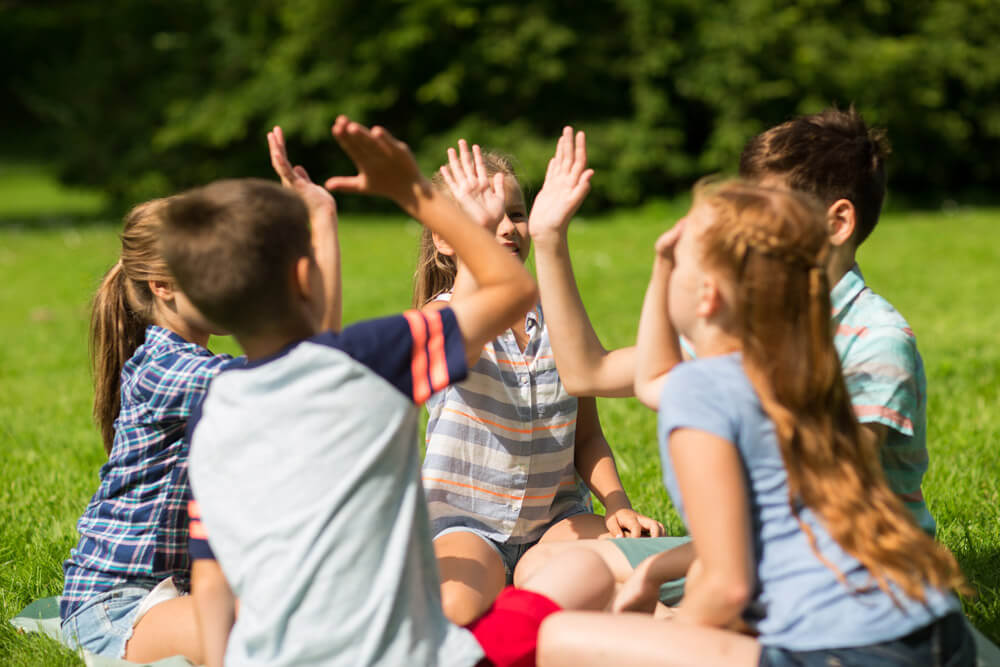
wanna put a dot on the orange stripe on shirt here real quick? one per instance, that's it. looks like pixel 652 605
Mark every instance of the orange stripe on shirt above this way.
pixel 418 356
pixel 435 349
pixel 882 411
pixel 482 490
pixel 508 428
pixel 848 330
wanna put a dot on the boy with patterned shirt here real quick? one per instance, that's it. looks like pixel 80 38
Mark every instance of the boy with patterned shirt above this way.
pixel 837 157
pixel 330 552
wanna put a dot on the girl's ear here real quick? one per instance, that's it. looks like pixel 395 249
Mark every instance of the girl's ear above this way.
pixel 162 289
pixel 442 245
pixel 842 218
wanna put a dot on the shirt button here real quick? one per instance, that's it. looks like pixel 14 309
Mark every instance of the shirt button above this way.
pixel 524 379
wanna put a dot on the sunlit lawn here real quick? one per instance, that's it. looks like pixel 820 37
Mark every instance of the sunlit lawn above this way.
pixel 941 271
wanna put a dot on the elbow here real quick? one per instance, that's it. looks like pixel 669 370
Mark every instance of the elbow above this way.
pixel 647 394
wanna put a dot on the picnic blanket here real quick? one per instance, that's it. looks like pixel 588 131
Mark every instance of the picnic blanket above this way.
pixel 43 616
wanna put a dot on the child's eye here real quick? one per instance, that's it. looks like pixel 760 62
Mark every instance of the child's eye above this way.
pixel 517 215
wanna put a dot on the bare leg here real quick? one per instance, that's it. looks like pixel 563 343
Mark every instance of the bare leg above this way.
pixel 169 628
pixel 472 575
pixel 579 639
pixel 577 580
pixel 537 556
pixel 577 527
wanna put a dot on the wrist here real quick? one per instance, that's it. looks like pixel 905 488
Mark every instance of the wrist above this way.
pixel 550 240
pixel 616 501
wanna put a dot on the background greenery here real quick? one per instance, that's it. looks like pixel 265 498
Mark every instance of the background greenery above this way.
pixel 939 269
pixel 142 98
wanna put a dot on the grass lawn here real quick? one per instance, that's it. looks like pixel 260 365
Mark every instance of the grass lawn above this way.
pixel 938 269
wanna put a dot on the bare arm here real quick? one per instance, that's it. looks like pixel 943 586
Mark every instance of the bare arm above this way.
pixel 214 607
pixel 641 591
pixel 323 221
pixel 718 518
pixel 386 167
pixel 585 366
pixel 596 465
pixel 657 346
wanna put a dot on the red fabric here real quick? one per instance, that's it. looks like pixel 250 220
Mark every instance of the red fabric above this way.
pixel 508 631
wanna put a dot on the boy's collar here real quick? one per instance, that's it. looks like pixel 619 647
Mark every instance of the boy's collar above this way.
pixel 846 290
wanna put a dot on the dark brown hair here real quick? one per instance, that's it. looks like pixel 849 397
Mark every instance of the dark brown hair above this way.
pixel 435 271
pixel 123 308
pixel 770 247
pixel 832 155
pixel 232 246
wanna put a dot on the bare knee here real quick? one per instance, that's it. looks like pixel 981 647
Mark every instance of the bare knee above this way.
pixel 531 562
pixel 461 605
pixel 577 579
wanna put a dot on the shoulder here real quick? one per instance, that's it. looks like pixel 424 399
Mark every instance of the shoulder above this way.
pixel 165 361
pixel 706 393
pixel 873 329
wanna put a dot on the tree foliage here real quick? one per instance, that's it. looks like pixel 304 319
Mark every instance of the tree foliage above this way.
pixel 144 98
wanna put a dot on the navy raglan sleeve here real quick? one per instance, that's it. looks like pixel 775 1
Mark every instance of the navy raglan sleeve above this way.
pixel 418 352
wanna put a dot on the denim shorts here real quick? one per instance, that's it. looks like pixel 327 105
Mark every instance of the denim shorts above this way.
pixel 946 642
pixel 510 554
pixel 103 624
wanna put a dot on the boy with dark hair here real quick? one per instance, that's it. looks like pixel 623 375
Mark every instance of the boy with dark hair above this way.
pixel 837 157
pixel 304 464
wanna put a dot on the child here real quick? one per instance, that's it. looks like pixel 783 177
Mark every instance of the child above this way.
pixel 304 464
pixel 795 530
pixel 835 156
pixel 504 447
pixel 151 367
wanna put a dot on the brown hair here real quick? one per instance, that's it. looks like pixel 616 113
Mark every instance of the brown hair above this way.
pixel 770 246
pixel 123 308
pixel 436 272
pixel 832 155
pixel 232 245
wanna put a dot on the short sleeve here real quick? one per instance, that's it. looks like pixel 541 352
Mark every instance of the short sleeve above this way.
pixel 692 398
pixel 198 545
pixel 418 352
pixel 884 377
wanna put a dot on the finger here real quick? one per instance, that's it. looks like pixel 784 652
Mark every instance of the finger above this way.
pixel 465 156
pixel 498 188
pixel 449 180
pixel 480 165
pixel 579 156
pixel 382 140
pixel 457 173
pixel 358 184
pixel 651 526
pixel 613 527
pixel 279 160
pixel 346 133
pixel 301 172
pixel 631 525
pixel 567 153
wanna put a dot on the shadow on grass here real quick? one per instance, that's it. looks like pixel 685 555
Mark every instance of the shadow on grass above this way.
pixel 982 571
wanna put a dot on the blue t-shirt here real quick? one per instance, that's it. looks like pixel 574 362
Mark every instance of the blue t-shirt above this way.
pixel 798 603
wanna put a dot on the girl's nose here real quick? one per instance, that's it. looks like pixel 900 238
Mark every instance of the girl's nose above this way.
pixel 506 227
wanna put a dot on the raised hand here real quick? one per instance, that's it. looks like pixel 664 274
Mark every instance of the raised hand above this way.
pixel 567 182
pixel 317 199
pixel 665 245
pixel 385 165
pixel 479 196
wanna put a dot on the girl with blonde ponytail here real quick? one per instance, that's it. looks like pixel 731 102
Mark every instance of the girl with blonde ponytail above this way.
pixel 797 536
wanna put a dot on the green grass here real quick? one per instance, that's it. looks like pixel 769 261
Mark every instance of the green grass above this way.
pixel 939 270
pixel 30 191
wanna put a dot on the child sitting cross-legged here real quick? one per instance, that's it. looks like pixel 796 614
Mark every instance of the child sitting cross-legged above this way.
pixel 304 463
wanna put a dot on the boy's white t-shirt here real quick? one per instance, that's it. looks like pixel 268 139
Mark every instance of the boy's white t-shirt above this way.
pixel 306 470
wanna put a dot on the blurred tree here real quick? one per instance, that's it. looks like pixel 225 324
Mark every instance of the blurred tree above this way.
pixel 144 98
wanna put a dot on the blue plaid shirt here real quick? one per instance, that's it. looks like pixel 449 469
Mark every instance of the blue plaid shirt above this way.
pixel 136 524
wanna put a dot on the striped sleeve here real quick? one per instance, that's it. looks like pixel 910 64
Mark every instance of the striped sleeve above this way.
pixel 197 536
pixel 883 372
pixel 419 353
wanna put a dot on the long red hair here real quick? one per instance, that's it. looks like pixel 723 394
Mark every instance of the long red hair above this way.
pixel 771 247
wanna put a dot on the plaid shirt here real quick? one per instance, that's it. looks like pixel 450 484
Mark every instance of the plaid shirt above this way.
pixel 136 524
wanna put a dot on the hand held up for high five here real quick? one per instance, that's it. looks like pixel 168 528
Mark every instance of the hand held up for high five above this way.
pixel 481 197
pixel 386 166
pixel 317 199
pixel 567 182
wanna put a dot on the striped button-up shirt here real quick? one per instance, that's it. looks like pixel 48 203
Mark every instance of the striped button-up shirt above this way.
pixel 500 445
pixel 136 524
pixel 885 378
